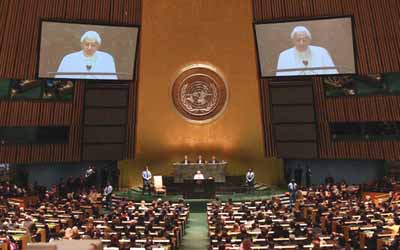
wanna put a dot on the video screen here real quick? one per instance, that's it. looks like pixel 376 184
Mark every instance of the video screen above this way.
pixel 307 47
pixel 87 51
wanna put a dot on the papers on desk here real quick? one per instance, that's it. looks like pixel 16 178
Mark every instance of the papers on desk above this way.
pixel 16 231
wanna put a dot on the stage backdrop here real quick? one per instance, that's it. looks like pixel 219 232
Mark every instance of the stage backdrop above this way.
pixel 177 34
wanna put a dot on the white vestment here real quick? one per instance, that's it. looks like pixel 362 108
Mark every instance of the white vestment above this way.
pixel 198 177
pixel 302 63
pixel 100 62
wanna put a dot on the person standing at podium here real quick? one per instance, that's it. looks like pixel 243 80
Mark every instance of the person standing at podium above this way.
pixel 198 176
pixel 146 175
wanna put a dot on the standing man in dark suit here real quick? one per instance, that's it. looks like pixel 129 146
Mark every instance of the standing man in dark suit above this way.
pixel 107 193
pixel 298 174
pixel 250 177
pixel 308 176
pixel 292 188
pixel 90 177
pixel 146 176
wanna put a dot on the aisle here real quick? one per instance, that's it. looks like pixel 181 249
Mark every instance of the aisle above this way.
pixel 196 237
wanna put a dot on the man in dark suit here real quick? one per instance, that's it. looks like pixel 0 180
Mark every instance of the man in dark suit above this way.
pixel 107 193
pixel 146 176
pixel 292 188
pixel 213 160
pixel 185 160
pixel 200 160
pixel 90 176
pixel 308 176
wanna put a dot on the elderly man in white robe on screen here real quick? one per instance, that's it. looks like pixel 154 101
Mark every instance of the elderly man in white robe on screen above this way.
pixel 303 58
pixel 89 60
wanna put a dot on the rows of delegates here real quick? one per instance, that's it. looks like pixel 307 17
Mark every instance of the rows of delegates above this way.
pixel 331 216
pixel 67 212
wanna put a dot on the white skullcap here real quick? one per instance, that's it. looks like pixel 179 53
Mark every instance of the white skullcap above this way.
pixel 300 29
pixel 93 35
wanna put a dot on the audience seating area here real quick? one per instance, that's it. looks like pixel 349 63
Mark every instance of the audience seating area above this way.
pixel 125 225
pixel 325 217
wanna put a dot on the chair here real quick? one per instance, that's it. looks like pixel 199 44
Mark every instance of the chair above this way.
pixel 158 185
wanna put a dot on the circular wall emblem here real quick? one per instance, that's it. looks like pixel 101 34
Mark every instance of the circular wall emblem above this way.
pixel 199 94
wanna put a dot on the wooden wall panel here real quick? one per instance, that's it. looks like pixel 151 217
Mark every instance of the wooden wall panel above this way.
pixel 270 147
pixel 19 25
pixel 377 32
pixel 132 101
pixel 131 122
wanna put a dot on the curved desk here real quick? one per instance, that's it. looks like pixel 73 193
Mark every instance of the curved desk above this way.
pixel 187 171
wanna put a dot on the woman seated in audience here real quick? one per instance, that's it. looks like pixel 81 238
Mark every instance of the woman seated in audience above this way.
pixel 235 228
pixel 75 233
pixel 246 244
pixel 143 205
pixel 68 233
pixel 394 229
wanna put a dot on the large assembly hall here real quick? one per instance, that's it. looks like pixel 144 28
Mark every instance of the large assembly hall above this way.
pixel 199 125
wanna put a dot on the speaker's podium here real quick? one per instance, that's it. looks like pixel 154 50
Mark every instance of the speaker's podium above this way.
pixel 199 189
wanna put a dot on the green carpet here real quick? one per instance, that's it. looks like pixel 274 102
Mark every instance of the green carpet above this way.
pixel 196 235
